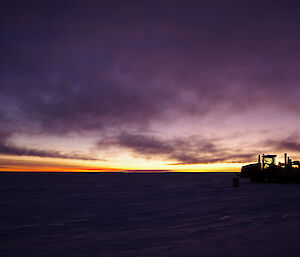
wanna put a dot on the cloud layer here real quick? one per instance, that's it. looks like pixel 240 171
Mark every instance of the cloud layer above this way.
pixel 185 150
pixel 7 148
pixel 65 71
pixel 125 65
pixel 289 144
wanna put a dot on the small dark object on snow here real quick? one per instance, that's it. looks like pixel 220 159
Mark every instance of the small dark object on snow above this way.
pixel 235 182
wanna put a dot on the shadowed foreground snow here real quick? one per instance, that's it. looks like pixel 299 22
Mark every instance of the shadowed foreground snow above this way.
pixel 146 215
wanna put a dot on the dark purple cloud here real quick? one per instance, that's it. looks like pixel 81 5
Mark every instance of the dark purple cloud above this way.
pixel 184 150
pixel 99 65
pixel 290 143
pixel 7 148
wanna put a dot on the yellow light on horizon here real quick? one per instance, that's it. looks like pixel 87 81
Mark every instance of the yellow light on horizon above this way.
pixel 37 164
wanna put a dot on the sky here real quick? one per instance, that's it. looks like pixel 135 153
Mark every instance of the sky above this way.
pixel 148 86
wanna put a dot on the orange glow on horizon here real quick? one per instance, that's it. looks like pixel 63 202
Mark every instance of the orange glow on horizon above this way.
pixel 52 168
pixel 23 164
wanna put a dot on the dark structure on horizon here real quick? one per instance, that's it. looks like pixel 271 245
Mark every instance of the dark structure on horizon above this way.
pixel 266 170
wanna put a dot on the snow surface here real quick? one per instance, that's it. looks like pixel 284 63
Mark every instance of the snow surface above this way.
pixel 115 215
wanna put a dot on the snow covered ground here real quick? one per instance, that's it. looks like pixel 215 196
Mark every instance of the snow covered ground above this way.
pixel 115 215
